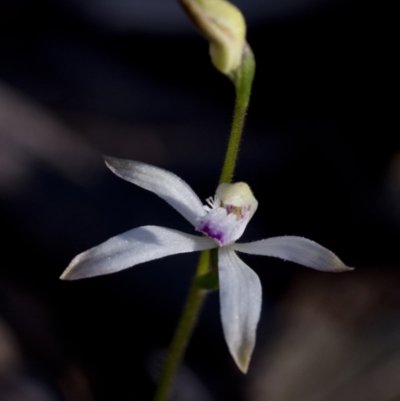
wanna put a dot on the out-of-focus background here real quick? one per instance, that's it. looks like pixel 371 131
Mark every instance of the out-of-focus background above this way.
pixel 321 152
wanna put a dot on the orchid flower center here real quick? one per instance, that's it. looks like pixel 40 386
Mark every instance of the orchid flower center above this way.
pixel 228 213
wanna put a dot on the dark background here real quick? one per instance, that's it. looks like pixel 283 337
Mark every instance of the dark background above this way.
pixel 321 152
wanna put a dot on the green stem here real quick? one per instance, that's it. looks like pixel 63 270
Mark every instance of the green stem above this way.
pixel 243 80
pixel 184 329
pixel 206 276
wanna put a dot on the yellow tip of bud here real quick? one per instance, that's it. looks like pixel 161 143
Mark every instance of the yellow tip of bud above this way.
pixel 225 28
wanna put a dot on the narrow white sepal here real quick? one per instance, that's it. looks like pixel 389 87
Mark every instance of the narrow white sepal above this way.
pixel 296 249
pixel 240 298
pixel 131 248
pixel 163 183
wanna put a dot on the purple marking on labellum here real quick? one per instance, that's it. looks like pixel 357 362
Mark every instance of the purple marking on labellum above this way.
pixel 212 233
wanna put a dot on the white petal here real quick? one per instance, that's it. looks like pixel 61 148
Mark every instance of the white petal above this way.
pixel 162 182
pixel 131 248
pixel 240 297
pixel 296 249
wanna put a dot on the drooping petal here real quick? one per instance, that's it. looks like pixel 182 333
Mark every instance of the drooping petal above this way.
pixel 296 249
pixel 162 182
pixel 240 297
pixel 131 248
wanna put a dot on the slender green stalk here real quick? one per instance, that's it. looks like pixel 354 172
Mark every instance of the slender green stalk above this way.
pixel 184 329
pixel 206 276
pixel 243 80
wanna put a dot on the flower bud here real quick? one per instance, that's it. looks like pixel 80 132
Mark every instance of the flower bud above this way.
pixel 225 28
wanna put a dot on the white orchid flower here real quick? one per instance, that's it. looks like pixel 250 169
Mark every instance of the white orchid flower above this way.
pixel 223 221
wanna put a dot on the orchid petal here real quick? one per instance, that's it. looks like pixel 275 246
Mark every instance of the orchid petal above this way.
pixel 240 297
pixel 163 183
pixel 296 249
pixel 131 248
